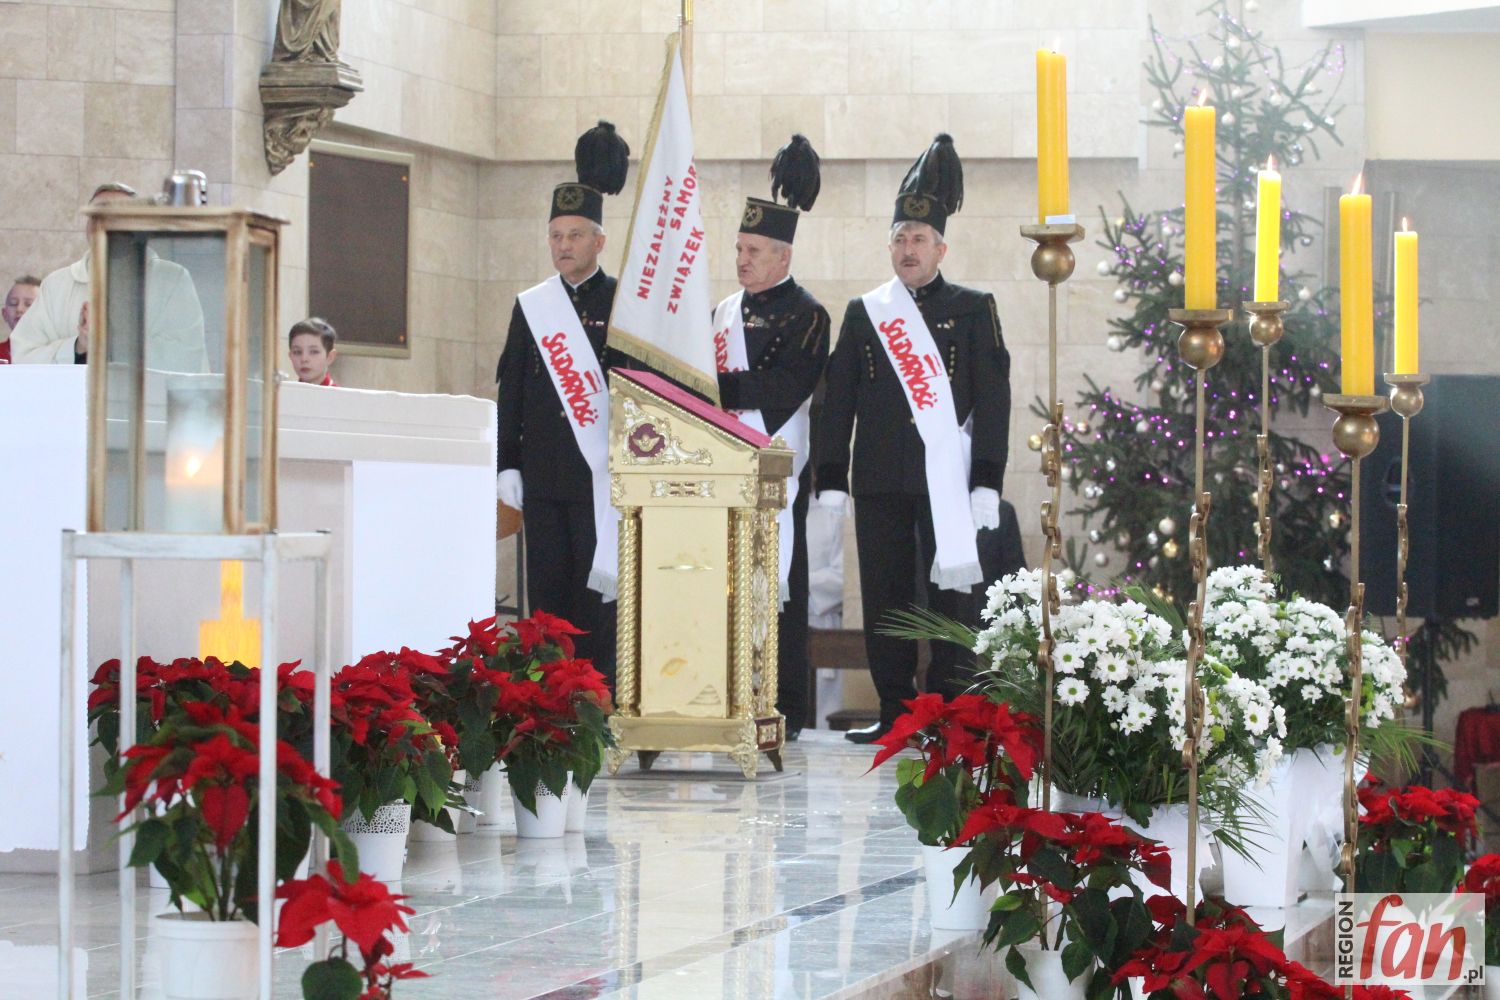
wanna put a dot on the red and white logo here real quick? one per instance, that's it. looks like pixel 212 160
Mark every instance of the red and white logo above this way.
pixel 577 386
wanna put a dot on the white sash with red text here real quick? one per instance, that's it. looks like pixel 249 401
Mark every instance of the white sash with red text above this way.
pixel 579 381
pixel 730 356
pixel 924 381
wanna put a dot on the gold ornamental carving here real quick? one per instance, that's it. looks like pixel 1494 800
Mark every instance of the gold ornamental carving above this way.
pixel 701 488
pixel 648 440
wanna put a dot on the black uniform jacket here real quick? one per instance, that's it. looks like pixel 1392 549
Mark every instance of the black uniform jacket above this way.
pixel 786 340
pixel 862 386
pixel 535 435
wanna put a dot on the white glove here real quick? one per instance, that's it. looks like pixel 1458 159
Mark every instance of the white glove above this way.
pixel 984 504
pixel 834 500
pixel 508 487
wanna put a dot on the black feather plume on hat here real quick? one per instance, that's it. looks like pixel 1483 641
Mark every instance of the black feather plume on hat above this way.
pixel 603 158
pixel 795 174
pixel 939 174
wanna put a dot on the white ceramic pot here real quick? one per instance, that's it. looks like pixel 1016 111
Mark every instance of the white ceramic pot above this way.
pixel 1319 778
pixel 578 806
pixel 1492 982
pixel 1169 826
pixel 1270 875
pixel 550 819
pixel 204 959
pixel 496 814
pixel 381 841
pixel 968 910
pixel 469 821
pixel 1048 980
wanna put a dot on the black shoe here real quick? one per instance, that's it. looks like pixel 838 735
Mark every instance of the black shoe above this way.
pixel 868 734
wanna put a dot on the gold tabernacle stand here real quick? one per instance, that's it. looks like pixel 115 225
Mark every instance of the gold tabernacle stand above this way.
pixel 698 492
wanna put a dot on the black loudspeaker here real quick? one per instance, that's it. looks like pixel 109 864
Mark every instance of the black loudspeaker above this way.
pixel 1453 504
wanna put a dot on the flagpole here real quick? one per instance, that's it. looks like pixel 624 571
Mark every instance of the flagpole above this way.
pixel 687 48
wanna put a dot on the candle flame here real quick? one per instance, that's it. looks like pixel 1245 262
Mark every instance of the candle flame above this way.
pixel 1271 161
pixel 1056 44
pixel 1203 97
pixel 1359 184
pixel 1405 224
pixel 193 466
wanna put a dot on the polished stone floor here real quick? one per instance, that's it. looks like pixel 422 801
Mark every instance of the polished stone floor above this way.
pixel 690 882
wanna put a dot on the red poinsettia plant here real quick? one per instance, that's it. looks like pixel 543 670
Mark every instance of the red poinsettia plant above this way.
pixel 1483 876
pixel 366 912
pixel 198 776
pixel 1223 955
pixel 521 697
pixel 1071 881
pixel 383 749
pixel 966 747
pixel 1411 839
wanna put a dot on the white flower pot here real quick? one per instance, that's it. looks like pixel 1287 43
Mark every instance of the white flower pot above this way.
pixel 1270 876
pixel 468 821
pixel 1047 977
pixel 1169 825
pixel 1492 982
pixel 550 819
pixel 1319 777
pixel 966 911
pixel 578 806
pixel 204 959
pixel 381 841
pixel 495 812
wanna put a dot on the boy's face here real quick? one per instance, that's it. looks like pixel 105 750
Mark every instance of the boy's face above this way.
pixel 309 358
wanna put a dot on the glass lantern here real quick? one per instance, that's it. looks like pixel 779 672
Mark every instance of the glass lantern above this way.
pixel 183 337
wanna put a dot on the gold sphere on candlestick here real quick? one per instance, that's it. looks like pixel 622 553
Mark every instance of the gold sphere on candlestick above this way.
pixel 1266 325
pixel 1406 394
pixel 1355 435
pixel 1201 347
pixel 1053 262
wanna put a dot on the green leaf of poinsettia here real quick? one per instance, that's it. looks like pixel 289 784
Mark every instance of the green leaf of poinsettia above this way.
pixel 331 979
pixel 150 838
pixel 1077 958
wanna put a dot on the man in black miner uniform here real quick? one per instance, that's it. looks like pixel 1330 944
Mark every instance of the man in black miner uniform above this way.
pixel 770 345
pixel 896 489
pixel 544 471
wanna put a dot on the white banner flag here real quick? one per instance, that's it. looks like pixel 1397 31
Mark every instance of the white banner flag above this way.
pixel 662 312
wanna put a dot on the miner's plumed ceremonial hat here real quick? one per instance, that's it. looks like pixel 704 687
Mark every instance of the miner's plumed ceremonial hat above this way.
pixel 934 186
pixel 796 179
pixel 602 159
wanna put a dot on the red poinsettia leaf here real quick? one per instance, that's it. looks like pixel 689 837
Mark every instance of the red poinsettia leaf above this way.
pixel 225 810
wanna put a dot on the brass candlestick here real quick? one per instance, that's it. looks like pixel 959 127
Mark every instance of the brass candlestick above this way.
pixel 1266 330
pixel 1052 261
pixel 1201 346
pixel 1355 435
pixel 1407 401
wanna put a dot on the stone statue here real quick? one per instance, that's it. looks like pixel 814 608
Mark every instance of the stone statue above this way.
pixel 305 82
pixel 307 30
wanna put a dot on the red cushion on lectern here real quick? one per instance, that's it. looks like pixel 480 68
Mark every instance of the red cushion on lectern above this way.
pixel 697 407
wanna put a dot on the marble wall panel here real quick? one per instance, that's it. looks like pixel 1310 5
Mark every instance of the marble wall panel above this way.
pixel 24 28
pixel 143 47
pixel 80 43
pixel 48 117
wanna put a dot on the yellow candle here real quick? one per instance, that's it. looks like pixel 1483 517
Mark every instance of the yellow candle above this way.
pixel 1406 302
pixel 1202 212
pixel 1051 134
pixel 1356 293
pixel 1268 235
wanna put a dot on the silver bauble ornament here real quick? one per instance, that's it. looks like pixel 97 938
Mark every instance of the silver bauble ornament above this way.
pixel 1103 267
pixel 1154 562
pixel 1177 146
pixel 1101 559
pixel 1115 342
pixel 1231 42
pixel 1175 279
pixel 1152 538
pixel 1167 526
pixel 1121 295
pixel 1315 391
pixel 1157 105
pixel 1095 535
pixel 1251 6
pixel 1067 473
pixel 1111 464
pixel 1157 385
pixel 1304 294
pixel 1142 426
pixel 1228 118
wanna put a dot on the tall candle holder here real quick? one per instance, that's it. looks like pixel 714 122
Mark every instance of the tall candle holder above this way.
pixel 1407 401
pixel 1052 261
pixel 1201 346
pixel 1266 330
pixel 1355 435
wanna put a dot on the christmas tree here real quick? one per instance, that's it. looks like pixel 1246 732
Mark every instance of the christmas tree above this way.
pixel 1131 463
